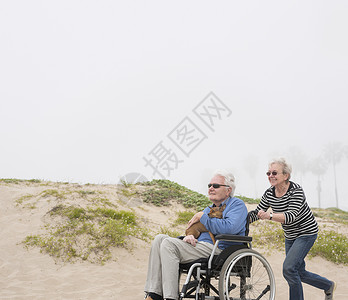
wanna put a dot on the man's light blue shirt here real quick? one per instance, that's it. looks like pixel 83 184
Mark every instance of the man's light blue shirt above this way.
pixel 233 221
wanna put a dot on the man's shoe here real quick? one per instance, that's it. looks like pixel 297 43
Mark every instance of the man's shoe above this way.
pixel 330 291
pixel 153 296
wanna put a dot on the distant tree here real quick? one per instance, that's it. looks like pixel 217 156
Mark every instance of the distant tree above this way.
pixel 298 160
pixel 345 150
pixel 334 152
pixel 251 163
pixel 318 167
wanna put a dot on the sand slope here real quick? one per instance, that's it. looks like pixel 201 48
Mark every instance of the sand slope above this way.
pixel 28 274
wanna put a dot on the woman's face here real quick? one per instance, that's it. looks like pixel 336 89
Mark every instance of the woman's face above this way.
pixel 276 176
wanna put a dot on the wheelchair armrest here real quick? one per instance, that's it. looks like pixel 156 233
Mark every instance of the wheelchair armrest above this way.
pixel 234 238
pixel 228 237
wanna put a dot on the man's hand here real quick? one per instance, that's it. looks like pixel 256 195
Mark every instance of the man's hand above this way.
pixel 190 239
pixel 195 219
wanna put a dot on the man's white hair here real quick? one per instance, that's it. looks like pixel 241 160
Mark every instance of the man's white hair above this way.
pixel 229 179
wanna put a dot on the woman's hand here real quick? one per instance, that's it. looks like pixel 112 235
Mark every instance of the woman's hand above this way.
pixel 190 239
pixel 278 217
pixel 195 219
pixel 263 215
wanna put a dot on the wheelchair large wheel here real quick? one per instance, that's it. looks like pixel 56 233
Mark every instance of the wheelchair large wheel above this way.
pixel 246 275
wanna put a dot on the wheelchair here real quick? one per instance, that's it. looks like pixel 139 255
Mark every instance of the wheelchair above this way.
pixel 238 272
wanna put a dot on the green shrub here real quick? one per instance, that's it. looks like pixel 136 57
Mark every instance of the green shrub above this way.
pixel 24 198
pixel 161 192
pixel 332 213
pixel 169 231
pixel 85 193
pixel 88 234
pixel 53 193
pixel 331 246
pixel 268 235
pixel 12 180
pixel 70 212
pixel 183 217
pixel 249 200
pixel 126 216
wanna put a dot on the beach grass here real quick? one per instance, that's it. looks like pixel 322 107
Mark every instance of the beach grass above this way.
pixel 90 233
pixel 329 245
pixel 87 234
pixel 332 246
pixel 161 192
pixel 334 214
pixel 169 231
pixel 183 217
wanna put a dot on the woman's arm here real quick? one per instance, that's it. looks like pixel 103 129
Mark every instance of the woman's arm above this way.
pixel 278 217
pixel 262 206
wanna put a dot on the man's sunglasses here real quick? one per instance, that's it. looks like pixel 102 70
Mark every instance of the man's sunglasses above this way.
pixel 216 185
pixel 274 173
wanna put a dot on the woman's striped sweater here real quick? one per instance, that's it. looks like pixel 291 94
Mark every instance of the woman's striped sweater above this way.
pixel 299 219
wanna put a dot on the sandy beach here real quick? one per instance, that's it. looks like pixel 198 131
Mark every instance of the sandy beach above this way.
pixel 29 274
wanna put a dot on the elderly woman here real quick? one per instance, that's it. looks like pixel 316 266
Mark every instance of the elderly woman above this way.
pixel 289 207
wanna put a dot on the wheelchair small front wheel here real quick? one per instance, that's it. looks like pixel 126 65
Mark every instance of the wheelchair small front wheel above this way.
pixel 246 275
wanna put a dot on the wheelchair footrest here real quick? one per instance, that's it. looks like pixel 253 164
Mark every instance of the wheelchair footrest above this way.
pixel 190 285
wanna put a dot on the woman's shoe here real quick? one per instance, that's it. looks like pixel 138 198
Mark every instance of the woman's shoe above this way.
pixel 330 291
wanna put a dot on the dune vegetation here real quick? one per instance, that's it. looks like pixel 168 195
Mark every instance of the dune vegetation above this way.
pixel 91 230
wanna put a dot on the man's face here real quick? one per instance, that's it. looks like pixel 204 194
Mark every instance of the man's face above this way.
pixel 218 195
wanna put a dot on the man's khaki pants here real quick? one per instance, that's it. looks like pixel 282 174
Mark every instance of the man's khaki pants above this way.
pixel 165 255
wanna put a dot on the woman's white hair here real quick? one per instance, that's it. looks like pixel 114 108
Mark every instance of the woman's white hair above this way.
pixel 229 179
pixel 287 169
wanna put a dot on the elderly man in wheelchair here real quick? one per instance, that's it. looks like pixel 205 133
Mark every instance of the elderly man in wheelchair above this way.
pixel 198 268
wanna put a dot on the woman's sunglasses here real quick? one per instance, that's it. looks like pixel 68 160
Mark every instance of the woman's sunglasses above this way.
pixel 216 185
pixel 274 173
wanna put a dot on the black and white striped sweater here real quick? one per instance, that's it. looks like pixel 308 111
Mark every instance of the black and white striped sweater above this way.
pixel 299 219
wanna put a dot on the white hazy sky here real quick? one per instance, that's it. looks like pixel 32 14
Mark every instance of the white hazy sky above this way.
pixel 90 88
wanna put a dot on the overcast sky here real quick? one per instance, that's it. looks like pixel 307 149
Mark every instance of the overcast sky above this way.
pixel 93 90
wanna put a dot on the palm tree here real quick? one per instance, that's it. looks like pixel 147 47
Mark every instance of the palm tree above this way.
pixel 298 160
pixel 251 163
pixel 318 166
pixel 333 153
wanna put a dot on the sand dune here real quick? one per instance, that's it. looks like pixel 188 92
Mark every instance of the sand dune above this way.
pixel 29 274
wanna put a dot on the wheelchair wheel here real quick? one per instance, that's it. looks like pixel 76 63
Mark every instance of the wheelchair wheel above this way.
pixel 246 275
